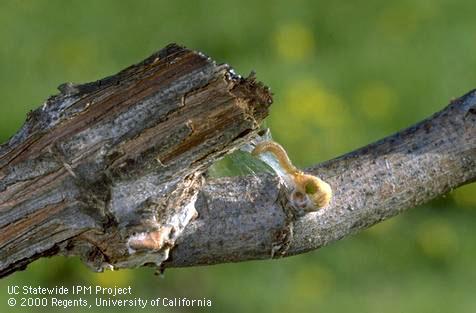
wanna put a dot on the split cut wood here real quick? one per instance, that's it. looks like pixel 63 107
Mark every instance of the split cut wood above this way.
pixel 112 171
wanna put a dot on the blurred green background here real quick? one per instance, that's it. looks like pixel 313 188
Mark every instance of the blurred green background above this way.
pixel 344 73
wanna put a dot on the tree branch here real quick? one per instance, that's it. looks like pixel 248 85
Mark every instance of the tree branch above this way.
pixel 112 171
pixel 242 218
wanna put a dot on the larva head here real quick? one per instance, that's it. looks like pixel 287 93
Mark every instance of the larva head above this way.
pixel 310 193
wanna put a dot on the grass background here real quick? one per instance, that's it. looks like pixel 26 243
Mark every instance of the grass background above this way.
pixel 344 73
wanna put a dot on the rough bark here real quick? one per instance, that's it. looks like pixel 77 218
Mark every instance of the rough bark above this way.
pixel 112 171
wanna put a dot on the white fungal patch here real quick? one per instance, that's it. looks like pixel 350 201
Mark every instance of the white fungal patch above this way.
pixel 133 239
pixel 154 246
